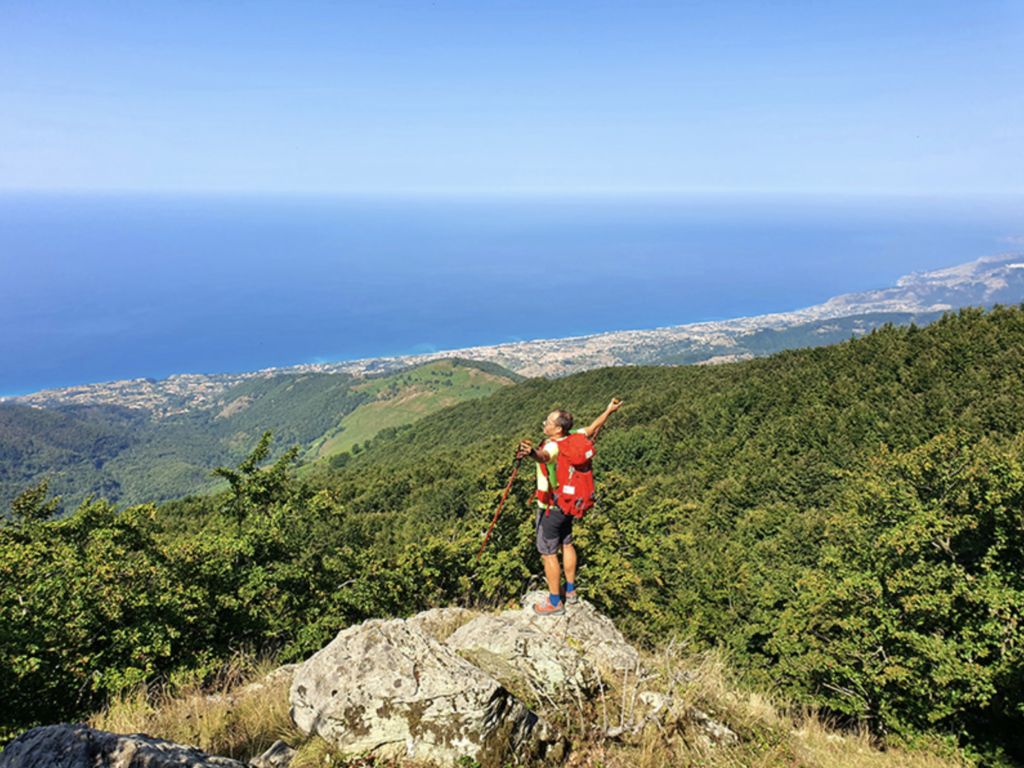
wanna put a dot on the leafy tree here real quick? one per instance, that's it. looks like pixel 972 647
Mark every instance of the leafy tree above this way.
pixel 87 606
pixel 254 488
pixel 912 618
pixel 31 506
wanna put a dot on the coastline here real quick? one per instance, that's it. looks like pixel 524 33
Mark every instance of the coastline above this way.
pixel 986 281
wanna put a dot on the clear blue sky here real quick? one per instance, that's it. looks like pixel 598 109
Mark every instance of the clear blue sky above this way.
pixel 551 97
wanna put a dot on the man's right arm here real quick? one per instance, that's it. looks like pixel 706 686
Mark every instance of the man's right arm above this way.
pixel 537 454
pixel 593 429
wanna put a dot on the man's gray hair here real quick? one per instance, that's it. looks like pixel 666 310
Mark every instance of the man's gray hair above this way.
pixel 564 421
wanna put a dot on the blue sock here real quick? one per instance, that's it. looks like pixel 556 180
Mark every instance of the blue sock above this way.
pixel 555 599
pixel 569 587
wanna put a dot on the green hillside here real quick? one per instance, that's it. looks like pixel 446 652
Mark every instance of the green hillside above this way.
pixel 402 398
pixel 70 446
pixel 843 522
pixel 127 456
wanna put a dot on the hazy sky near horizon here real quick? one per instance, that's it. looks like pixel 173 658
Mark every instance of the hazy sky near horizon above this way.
pixel 498 97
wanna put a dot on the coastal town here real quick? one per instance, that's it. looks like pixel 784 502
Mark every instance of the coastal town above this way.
pixel 991 280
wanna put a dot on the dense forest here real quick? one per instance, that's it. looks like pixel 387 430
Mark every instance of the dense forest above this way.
pixel 846 522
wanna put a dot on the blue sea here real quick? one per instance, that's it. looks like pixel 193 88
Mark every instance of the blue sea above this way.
pixel 98 288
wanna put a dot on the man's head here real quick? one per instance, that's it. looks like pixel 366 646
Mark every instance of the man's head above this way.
pixel 558 424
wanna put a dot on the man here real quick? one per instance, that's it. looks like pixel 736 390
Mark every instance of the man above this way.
pixel 554 527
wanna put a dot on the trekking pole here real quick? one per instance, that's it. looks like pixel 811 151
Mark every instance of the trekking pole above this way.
pixel 515 469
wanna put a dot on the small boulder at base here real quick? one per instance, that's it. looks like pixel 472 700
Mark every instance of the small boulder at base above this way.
pixel 78 746
pixel 278 756
pixel 387 689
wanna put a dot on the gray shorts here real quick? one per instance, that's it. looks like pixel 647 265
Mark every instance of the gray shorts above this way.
pixel 554 529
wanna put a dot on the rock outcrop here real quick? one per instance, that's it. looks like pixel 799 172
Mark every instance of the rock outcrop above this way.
pixel 78 746
pixel 547 652
pixel 387 688
pixel 436 688
pixel 440 686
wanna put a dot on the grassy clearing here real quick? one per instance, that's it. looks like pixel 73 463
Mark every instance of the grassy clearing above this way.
pixel 404 398
pixel 685 711
pixel 366 421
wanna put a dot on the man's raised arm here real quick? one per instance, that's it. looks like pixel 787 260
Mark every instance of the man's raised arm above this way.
pixel 593 429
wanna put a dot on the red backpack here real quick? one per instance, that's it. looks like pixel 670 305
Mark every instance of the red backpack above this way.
pixel 575 493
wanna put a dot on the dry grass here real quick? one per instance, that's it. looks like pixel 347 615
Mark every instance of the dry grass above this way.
pixel 317 753
pixel 240 715
pixel 828 748
pixel 697 695
pixel 687 711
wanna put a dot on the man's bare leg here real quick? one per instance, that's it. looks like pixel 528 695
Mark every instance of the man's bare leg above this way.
pixel 552 573
pixel 569 561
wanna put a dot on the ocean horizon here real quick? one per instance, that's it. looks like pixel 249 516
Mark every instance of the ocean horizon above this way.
pixel 111 287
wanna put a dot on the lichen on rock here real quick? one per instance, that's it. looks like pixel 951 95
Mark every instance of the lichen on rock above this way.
pixel 387 688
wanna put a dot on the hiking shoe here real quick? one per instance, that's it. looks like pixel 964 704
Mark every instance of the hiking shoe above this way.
pixel 570 597
pixel 547 609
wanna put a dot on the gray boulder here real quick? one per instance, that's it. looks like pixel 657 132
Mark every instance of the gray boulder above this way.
pixel 524 657
pixel 78 746
pixel 278 756
pixel 388 689
pixel 440 623
pixel 548 652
